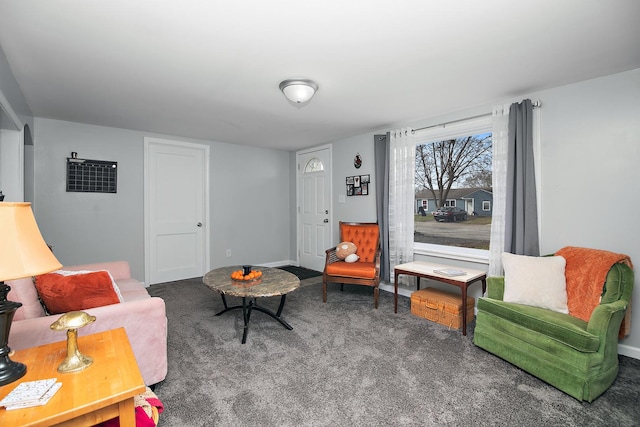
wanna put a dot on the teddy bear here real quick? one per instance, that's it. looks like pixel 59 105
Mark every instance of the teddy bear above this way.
pixel 347 252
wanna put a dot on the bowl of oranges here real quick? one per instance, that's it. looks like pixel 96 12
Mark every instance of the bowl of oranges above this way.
pixel 251 276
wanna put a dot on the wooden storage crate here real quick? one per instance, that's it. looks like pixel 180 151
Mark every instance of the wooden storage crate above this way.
pixel 441 306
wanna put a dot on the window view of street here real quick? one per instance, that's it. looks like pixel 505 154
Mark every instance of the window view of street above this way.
pixel 453 197
pixel 471 233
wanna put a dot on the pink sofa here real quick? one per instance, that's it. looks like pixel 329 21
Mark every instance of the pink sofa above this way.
pixel 143 317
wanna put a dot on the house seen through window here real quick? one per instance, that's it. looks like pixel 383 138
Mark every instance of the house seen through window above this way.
pixel 453 194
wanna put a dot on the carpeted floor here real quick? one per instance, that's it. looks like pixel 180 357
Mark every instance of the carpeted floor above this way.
pixel 347 364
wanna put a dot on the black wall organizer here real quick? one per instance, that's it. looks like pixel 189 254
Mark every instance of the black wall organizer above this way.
pixel 91 176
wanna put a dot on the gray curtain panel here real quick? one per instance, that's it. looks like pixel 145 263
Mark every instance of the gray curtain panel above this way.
pixel 521 228
pixel 381 150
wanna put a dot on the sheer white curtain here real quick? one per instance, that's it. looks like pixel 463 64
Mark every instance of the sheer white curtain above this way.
pixel 402 164
pixel 500 129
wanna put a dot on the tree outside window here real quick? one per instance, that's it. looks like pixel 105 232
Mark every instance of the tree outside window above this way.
pixel 455 172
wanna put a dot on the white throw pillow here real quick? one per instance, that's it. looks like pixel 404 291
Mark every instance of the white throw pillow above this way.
pixel 535 281
pixel 352 258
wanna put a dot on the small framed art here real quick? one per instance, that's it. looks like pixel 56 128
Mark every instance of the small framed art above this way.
pixel 358 185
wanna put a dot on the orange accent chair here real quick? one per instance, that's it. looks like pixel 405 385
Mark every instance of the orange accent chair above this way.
pixel 365 271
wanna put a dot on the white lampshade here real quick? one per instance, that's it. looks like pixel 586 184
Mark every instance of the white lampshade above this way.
pixel 298 91
pixel 23 251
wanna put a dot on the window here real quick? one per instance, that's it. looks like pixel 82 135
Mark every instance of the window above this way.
pixel 453 172
pixel 314 165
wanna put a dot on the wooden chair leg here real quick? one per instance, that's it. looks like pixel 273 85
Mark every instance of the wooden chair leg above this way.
pixel 324 291
pixel 375 297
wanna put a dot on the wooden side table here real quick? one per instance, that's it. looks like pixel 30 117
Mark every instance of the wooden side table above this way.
pixel 426 270
pixel 103 391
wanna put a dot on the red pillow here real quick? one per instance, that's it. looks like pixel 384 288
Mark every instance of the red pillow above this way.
pixel 61 293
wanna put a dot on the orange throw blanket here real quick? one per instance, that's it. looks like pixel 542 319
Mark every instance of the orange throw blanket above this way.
pixel 586 272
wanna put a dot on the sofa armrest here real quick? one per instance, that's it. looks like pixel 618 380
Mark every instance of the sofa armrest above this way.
pixel 495 287
pixel 605 317
pixel 117 269
pixel 144 320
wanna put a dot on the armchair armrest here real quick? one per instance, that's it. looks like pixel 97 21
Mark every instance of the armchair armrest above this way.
pixel 606 317
pixel 605 322
pixel 330 256
pixel 495 287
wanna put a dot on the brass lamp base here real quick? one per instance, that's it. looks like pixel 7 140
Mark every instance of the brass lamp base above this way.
pixel 75 361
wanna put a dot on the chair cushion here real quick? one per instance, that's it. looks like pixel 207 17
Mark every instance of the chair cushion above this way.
pixel 356 270
pixel 364 236
pixel 559 327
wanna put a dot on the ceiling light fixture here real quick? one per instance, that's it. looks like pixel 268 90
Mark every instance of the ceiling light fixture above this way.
pixel 299 91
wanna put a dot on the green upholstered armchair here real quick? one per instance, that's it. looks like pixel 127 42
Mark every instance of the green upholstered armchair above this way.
pixel 580 358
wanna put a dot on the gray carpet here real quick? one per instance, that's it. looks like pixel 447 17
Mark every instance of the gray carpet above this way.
pixel 347 364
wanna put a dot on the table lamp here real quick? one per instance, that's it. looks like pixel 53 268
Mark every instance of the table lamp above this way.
pixel 23 253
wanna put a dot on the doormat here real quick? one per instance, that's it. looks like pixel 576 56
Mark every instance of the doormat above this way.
pixel 301 272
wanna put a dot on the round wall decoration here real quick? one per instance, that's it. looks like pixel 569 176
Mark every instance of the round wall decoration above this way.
pixel 357 161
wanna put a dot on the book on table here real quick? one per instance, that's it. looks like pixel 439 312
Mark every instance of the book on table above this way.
pixel 31 393
pixel 450 272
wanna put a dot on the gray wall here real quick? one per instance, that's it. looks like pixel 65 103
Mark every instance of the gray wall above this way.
pixel 249 198
pixel 589 153
pixel 354 208
pixel 14 116
pixel 12 92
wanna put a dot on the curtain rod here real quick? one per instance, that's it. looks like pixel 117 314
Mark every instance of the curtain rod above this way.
pixel 535 104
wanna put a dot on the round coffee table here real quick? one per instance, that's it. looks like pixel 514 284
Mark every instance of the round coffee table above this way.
pixel 273 282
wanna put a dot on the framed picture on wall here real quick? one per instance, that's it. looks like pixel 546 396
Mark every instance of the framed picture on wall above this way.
pixel 358 185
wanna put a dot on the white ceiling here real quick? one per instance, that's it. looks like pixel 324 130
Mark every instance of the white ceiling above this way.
pixel 211 69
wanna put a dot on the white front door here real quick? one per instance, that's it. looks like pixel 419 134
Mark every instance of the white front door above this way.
pixel 176 210
pixel 314 206
pixel 468 206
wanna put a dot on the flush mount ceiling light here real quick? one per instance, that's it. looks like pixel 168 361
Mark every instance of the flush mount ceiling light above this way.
pixel 298 91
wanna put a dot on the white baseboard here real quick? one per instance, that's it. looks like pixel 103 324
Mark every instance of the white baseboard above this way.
pixel 390 288
pixel 627 350
pixel 279 263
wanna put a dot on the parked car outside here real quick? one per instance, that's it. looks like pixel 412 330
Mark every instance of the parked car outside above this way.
pixel 450 214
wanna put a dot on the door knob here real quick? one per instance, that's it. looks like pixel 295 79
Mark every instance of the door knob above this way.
pixel 326 211
pixel 326 221
pixel 199 224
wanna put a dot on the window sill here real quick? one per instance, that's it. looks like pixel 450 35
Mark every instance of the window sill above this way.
pixel 478 256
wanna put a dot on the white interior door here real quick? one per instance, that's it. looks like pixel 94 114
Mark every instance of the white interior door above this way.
pixel 176 210
pixel 314 207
